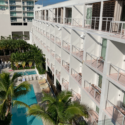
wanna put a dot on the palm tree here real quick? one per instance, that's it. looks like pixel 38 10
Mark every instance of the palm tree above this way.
pixel 60 110
pixel 23 64
pixel 30 64
pixel 16 64
pixel 9 91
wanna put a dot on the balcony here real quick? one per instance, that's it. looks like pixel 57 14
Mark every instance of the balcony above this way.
pixel 117 74
pixel 116 113
pixel 52 67
pixel 77 76
pixel 76 96
pixel 52 37
pixel 93 118
pixel 58 75
pixel 93 90
pixel 44 33
pixel 52 53
pixel 65 83
pixel 95 62
pixel 47 48
pixel 77 52
pixel 47 35
pixel 58 41
pixel 65 65
pixel 66 46
pixel 48 62
pixel 58 58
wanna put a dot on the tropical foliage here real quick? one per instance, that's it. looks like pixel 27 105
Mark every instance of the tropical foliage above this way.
pixel 60 110
pixel 8 91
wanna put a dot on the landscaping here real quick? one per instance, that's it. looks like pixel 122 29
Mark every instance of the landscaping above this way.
pixel 22 55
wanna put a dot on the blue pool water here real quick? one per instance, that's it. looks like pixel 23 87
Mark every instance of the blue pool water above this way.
pixel 28 72
pixel 19 113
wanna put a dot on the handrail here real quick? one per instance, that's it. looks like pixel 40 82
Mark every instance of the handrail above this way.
pixel 115 108
pixel 117 67
pixel 65 64
pixel 66 43
pixel 65 81
pixel 76 94
pixel 79 49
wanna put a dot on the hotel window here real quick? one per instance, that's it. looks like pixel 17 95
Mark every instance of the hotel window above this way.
pixel 29 19
pixel 12 13
pixel 12 2
pixel 29 8
pixel 30 3
pixel 3 8
pixel 2 2
pixel 29 14
pixel 13 19
pixel 12 8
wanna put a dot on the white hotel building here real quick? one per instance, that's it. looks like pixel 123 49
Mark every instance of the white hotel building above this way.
pixel 84 44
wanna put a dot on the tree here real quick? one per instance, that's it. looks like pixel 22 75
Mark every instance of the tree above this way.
pixel 30 64
pixel 60 110
pixel 9 90
pixel 23 64
pixel 16 64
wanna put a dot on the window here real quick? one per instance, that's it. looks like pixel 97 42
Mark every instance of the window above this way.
pixel 23 2
pixel 12 8
pixel 29 8
pixel 2 2
pixel 23 8
pixel 30 14
pixel 3 8
pixel 12 2
pixel 97 109
pixel 104 46
pixel 29 19
pixel 12 13
pixel 13 19
pixel 100 81
pixel 30 3
pixel 89 15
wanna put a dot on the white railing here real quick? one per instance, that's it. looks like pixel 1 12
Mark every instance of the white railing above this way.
pixel 76 75
pixel 117 113
pixel 52 53
pixel 58 58
pixel 66 45
pixel 58 74
pixel 52 67
pixel 52 37
pixel 76 96
pixel 118 72
pixel 77 52
pixel 118 28
pixel 96 62
pixel 94 91
pixel 65 83
pixel 58 41
pixel 65 65
pixel 48 62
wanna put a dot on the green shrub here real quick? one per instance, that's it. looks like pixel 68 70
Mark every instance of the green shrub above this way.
pixel 41 69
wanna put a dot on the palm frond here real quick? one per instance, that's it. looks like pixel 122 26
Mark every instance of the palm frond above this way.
pixel 22 89
pixel 37 111
pixel 15 76
pixel 19 103
pixel 3 109
pixel 10 91
pixel 2 86
pixel 48 98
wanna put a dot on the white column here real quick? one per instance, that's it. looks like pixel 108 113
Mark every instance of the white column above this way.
pixel 64 12
pixel 101 12
pixel 83 14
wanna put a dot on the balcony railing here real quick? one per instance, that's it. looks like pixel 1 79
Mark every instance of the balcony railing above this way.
pixel 77 52
pixel 93 90
pixel 52 53
pixel 52 67
pixel 117 113
pixel 68 21
pixel 65 65
pixel 76 96
pixel 48 62
pixel 65 83
pixel 52 37
pixel 58 58
pixel 58 74
pixel 93 118
pixel 58 41
pixel 66 46
pixel 94 61
pixel 117 74
pixel 47 35
pixel 78 22
pixel 77 76
pixel 117 28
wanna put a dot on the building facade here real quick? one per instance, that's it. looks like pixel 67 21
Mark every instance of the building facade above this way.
pixel 84 44
pixel 16 17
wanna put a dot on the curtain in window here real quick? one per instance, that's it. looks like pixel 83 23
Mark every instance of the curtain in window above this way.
pixel 12 2
pixel 12 8
pixel 104 46
pixel 3 8
pixel 89 16
pixel 12 13
pixel 29 2
pixel 2 2
pixel 29 14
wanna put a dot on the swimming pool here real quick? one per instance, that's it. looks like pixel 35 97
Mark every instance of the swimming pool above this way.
pixel 19 113
pixel 27 72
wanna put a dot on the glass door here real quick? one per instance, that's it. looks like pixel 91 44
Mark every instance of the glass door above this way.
pixel 104 46
pixel 89 15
